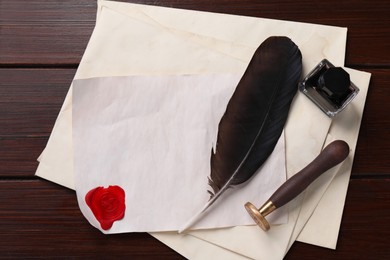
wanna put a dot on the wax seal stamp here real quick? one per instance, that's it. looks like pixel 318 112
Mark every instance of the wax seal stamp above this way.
pixel 333 154
pixel 329 87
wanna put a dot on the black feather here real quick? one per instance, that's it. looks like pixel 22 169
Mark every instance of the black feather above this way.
pixel 255 116
pixel 256 113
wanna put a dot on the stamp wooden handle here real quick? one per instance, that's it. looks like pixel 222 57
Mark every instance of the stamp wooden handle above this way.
pixel 332 155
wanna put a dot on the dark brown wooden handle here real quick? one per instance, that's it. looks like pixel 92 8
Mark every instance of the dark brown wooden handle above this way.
pixel 332 155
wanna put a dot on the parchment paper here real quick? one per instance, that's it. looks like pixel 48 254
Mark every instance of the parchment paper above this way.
pixel 152 136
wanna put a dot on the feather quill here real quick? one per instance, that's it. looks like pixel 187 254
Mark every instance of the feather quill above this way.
pixel 255 116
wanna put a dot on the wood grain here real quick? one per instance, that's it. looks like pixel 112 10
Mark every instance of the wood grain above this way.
pixel 30 99
pixel 18 156
pixel 40 219
pixel 372 151
pixel 56 33
pixel 364 233
pixel 41 44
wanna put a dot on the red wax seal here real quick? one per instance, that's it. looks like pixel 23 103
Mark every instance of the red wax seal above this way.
pixel 107 204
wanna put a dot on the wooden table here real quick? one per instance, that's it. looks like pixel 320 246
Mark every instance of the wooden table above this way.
pixel 41 44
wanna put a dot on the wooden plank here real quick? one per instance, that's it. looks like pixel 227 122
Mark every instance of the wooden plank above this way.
pixel 42 219
pixel 30 99
pixel 56 43
pixel 365 227
pixel 329 13
pixel 55 33
pixel 13 11
pixel 372 152
pixel 18 156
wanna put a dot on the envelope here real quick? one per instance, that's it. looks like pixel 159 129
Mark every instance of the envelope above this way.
pixel 312 39
pixel 346 127
pixel 286 234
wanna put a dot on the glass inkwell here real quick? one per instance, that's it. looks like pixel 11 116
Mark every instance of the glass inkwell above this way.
pixel 329 87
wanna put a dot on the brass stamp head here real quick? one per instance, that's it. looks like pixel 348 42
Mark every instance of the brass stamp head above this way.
pixel 257 216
